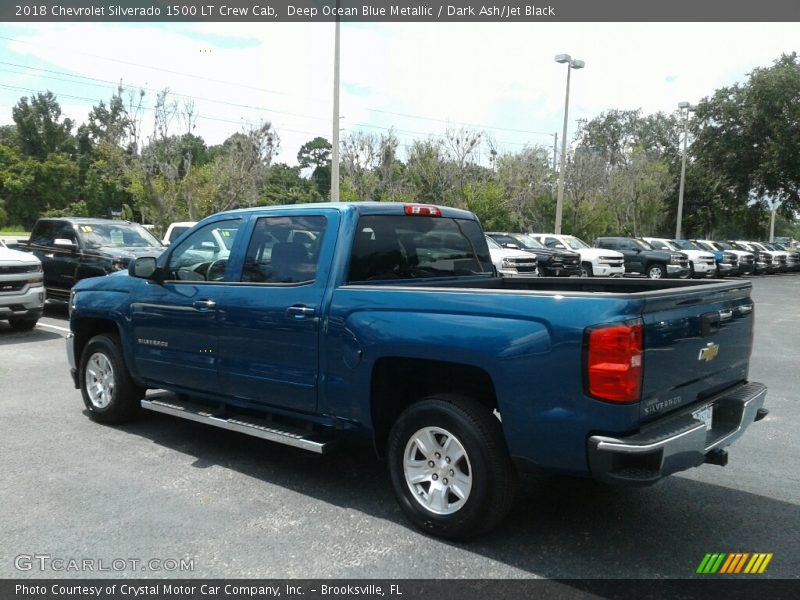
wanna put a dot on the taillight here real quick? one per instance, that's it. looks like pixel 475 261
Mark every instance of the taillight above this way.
pixel 613 361
pixel 422 210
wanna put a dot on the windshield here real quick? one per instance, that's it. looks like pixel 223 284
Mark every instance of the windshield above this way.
pixel 686 245
pixel 492 244
pixel 122 234
pixel 575 243
pixel 528 241
pixel 642 244
pixel 725 246
pixel 737 246
pixel 662 245
pixel 758 246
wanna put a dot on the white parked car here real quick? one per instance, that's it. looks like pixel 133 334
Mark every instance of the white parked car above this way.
pixel 595 262
pixel 21 288
pixel 701 262
pixel 175 230
pixel 512 263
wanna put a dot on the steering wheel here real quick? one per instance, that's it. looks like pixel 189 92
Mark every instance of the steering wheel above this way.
pixel 216 270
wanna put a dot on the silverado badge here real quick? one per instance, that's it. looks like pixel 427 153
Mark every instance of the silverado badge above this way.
pixel 709 353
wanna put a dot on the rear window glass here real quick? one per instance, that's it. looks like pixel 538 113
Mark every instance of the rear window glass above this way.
pixel 403 247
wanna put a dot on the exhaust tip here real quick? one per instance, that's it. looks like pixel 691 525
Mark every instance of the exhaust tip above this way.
pixel 761 413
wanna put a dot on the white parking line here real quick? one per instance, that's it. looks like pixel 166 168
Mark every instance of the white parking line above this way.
pixel 56 327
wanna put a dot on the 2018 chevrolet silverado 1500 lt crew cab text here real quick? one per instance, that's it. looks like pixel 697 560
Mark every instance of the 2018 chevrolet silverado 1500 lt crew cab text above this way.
pixel 72 249
pixel 387 323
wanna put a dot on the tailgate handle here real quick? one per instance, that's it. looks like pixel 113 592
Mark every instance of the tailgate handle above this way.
pixel 709 323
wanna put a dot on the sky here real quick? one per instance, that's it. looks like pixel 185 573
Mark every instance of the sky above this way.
pixel 418 78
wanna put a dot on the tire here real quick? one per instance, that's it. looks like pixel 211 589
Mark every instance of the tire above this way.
pixel 485 476
pixel 656 272
pixel 109 393
pixel 692 274
pixel 586 270
pixel 22 324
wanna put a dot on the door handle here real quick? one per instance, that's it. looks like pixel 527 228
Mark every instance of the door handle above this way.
pixel 300 312
pixel 204 304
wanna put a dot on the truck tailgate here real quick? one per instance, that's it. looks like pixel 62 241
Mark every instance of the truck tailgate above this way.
pixel 695 345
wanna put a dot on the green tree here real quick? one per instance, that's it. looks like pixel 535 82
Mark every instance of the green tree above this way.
pixel 285 185
pixel 40 130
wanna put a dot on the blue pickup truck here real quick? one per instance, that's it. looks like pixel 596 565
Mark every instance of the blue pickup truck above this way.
pixel 386 324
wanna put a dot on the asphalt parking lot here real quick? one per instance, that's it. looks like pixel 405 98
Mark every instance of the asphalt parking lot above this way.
pixel 163 488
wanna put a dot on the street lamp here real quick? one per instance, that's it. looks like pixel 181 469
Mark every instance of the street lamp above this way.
pixel 688 108
pixel 572 63
pixel 336 121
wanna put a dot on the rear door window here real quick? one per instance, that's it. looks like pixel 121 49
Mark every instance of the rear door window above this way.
pixel 284 249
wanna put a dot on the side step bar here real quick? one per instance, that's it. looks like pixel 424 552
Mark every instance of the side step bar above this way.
pixel 243 424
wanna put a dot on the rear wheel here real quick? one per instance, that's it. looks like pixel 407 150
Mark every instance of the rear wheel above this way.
pixel 108 391
pixel 450 468
pixel 656 272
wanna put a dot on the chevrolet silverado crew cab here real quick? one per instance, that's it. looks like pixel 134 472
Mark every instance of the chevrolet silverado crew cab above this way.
pixel 701 262
pixel 641 258
pixel 512 263
pixel 21 291
pixel 72 249
pixel 386 324
pixel 595 262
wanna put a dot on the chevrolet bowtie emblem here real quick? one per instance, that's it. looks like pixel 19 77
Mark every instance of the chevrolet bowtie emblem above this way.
pixel 709 353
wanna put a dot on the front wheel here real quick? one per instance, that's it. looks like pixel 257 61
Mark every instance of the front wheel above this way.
pixel 656 272
pixel 108 391
pixel 450 468
pixel 22 324
pixel 586 270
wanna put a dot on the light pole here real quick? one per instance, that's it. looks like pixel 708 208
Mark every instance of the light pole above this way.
pixel 688 108
pixel 571 63
pixel 336 124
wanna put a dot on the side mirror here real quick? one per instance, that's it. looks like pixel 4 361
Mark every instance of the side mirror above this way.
pixel 560 246
pixel 143 267
pixel 65 243
pixel 510 246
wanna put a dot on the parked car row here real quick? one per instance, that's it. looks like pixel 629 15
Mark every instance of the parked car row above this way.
pixel 653 257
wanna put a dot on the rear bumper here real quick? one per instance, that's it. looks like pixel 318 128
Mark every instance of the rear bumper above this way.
pixel 677 442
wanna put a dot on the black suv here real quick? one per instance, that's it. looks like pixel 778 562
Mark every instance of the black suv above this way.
pixel 552 262
pixel 72 249
pixel 641 258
